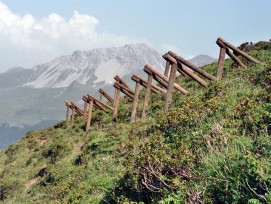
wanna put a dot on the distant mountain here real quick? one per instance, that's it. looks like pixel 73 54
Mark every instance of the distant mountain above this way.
pixel 30 96
pixel 202 60
pixel 90 67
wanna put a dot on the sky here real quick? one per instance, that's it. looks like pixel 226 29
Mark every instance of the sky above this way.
pixel 34 32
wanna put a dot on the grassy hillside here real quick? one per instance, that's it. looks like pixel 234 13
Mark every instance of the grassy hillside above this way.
pixel 213 146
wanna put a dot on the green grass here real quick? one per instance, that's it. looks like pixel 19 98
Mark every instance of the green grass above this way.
pixel 213 146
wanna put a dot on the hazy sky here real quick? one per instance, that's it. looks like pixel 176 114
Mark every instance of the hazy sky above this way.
pixel 36 31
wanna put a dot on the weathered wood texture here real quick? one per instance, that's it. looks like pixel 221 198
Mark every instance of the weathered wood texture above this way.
pixel 167 69
pixel 170 88
pixel 89 114
pixel 121 81
pixel 162 79
pixel 142 82
pixel 124 89
pixel 192 66
pixel 135 102
pixel 116 102
pixel 85 111
pixel 245 55
pixel 102 92
pixel 230 54
pixel 147 98
pixel 100 104
pixel 67 113
pixel 221 61
pixel 186 70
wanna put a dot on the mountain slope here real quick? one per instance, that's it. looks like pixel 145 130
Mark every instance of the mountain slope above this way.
pixel 213 146
pixel 94 66
pixel 31 96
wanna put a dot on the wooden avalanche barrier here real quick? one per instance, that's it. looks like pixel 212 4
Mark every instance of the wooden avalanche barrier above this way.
pixel 103 93
pixel 75 109
pixel 224 49
pixel 93 103
pixel 120 85
pixel 139 81
pixel 169 84
pixel 192 66
pixel 174 64
pixel 188 72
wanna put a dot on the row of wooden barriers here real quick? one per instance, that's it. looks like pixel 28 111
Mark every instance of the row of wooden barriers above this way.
pixel 174 64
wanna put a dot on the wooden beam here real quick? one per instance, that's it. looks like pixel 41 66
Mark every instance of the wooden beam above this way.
pixel 101 104
pixel 89 114
pixel 135 102
pixel 121 81
pixel 221 61
pixel 155 89
pixel 186 70
pixel 147 98
pixel 234 58
pixel 77 109
pixel 85 111
pixel 106 95
pixel 96 103
pixel 230 54
pixel 170 88
pixel 124 89
pixel 116 102
pixel 149 70
pixel 67 113
pixel 192 66
pixel 167 69
pixel 73 112
pixel 245 55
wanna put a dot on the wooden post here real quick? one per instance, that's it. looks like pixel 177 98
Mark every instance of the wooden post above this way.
pixel 245 55
pixel 192 66
pixel 162 79
pixel 221 63
pixel 147 97
pixel 135 102
pixel 186 70
pixel 167 69
pixel 101 97
pixel 106 95
pixel 229 53
pixel 85 111
pixel 116 102
pixel 170 87
pixel 67 115
pixel 89 114
pixel 73 112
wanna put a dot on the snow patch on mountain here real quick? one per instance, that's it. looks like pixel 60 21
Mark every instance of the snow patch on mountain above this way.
pixel 101 64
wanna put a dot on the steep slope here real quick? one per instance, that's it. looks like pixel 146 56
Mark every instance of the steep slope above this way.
pixel 213 146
